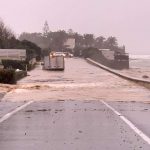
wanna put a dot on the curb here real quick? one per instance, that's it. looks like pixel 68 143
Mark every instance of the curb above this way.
pixel 137 80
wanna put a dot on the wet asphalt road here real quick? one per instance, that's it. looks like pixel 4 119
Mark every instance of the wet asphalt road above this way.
pixel 67 112
pixel 74 125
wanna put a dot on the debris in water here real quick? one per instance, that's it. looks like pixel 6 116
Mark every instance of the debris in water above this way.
pixel 145 76
pixel 60 100
pixel 29 111
pixel 44 110
pixel 80 131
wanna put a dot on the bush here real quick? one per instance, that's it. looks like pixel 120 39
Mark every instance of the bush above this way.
pixel 17 64
pixel 20 74
pixel 30 66
pixel 89 52
pixel 14 64
pixel 7 76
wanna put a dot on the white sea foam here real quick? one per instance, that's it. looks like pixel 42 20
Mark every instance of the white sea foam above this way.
pixel 137 57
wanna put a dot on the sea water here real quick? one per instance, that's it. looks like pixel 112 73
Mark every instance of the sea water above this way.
pixel 140 61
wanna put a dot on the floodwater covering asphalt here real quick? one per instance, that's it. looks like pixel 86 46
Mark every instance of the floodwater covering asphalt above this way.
pixel 67 111
pixel 80 80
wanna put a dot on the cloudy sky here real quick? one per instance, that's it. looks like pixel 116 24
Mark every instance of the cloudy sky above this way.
pixel 128 20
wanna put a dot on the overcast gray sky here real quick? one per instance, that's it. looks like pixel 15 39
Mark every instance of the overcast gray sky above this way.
pixel 128 20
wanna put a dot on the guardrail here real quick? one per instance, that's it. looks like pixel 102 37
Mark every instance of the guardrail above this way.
pixel 144 83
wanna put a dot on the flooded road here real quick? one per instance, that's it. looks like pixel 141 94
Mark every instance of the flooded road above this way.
pixel 80 80
pixel 81 108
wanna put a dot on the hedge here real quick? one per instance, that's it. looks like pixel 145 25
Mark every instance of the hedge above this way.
pixel 15 64
pixel 9 76
pixel 20 74
pixel 30 67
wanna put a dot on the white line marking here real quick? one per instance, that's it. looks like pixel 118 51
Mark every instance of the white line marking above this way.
pixel 5 117
pixel 129 123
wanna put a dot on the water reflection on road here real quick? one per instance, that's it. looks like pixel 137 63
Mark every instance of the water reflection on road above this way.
pixel 79 81
pixel 76 71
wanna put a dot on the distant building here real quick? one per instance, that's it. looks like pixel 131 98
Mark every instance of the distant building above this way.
pixel 13 54
pixel 107 53
pixel 70 43
pixel 120 51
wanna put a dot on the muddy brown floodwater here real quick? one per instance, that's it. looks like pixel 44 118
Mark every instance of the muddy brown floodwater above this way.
pixel 79 81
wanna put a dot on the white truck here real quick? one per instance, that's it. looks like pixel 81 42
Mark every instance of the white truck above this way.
pixel 54 62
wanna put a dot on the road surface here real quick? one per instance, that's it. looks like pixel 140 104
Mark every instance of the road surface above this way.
pixel 82 108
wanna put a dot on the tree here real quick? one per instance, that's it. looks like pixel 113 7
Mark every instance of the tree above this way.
pixel 111 43
pixel 55 40
pixel 58 39
pixel 70 32
pixel 45 29
pixel 78 39
pixel 88 40
pixel 99 42
pixel 36 38
pixel 5 35
pixel 32 49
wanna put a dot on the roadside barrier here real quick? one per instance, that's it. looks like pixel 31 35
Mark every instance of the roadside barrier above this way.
pixel 142 82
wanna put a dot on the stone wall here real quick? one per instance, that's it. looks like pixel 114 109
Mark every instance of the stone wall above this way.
pixel 115 64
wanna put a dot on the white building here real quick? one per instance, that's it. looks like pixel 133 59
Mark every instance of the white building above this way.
pixel 13 54
pixel 70 43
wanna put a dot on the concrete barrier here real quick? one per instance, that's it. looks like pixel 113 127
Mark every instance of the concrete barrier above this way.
pixel 142 82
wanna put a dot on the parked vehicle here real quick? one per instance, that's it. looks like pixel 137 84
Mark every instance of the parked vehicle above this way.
pixel 58 54
pixel 68 55
pixel 54 62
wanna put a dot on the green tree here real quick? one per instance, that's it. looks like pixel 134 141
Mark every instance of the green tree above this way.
pixel 58 39
pixel 5 35
pixel 32 49
pixel 79 39
pixel 70 32
pixel 111 43
pixel 99 42
pixel 88 40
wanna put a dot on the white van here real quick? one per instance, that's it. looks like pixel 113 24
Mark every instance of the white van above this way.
pixel 53 62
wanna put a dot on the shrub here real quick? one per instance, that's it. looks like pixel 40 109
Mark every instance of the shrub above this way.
pixel 30 66
pixel 17 64
pixel 20 74
pixel 7 76
pixel 14 64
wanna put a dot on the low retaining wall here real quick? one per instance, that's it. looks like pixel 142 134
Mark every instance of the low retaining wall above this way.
pixel 97 55
pixel 137 80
